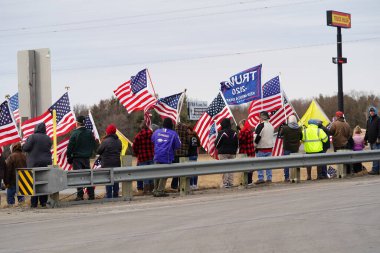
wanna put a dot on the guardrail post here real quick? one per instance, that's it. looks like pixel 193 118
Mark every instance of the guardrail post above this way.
pixel 295 173
pixel 184 182
pixel 126 187
pixel 54 197
pixel 244 175
pixel 341 171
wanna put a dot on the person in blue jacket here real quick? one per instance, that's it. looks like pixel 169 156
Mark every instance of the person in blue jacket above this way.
pixel 165 141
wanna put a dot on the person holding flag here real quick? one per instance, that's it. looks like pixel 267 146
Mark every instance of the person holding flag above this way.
pixel 264 144
pixel 227 144
pixel 109 151
pixel 38 149
pixel 246 145
pixel 79 150
pixel 292 136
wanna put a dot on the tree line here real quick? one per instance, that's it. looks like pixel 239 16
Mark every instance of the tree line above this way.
pixel 110 110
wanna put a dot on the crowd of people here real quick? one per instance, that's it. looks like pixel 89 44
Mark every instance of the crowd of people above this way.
pixel 175 141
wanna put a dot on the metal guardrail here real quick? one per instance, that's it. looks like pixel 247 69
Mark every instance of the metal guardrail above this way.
pixel 108 176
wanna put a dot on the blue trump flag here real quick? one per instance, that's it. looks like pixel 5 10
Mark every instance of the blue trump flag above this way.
pixel 243 87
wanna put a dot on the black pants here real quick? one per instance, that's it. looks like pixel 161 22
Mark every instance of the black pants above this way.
pixel 175 180
pixel 34 200
pixel 81 164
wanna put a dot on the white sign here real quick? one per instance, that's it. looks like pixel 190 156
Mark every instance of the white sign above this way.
pixel 196 109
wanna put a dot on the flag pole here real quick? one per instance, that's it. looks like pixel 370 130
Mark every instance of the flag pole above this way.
pixel 151 83
pixel 180 107
pixel 54 137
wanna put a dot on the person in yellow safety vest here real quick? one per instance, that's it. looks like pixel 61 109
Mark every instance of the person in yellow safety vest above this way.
pixel 313 138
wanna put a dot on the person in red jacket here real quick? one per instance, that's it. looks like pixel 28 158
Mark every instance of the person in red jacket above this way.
pixel 143 148
pixel 246 145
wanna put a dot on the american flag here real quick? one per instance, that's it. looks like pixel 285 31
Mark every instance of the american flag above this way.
pixel 65 119
pixel 90 125
pixel 13 103
pixel 168 107
pixel 8 128
pixel 282 114
pixel 147 116
pixel 271 100
pixel 211 149
pixel 278 149
pixel 216 112
pixel 134 95
pixel 61 155
pixel 97 164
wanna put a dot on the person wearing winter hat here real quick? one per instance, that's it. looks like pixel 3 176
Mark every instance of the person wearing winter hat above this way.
pixel 109 151
pixel 341 132
pixel 165 141
pixel 79 150
pixel 372 136
pixel 313 138
pixel 292 136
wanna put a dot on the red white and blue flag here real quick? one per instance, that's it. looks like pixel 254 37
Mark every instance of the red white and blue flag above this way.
pixel 14 104
pixel 211 149
pixel 8 127
pixel 168 107
pixel 61 155
pixel 271 100
pixel 216 112
pixel 65 119
pixel 90 125
pixel 134 94
pixel 278 117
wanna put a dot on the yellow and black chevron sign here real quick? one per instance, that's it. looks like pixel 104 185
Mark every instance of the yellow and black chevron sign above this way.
pixel 25 182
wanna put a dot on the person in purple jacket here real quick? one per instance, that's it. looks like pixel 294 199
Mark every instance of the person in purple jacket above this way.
pixel 165 141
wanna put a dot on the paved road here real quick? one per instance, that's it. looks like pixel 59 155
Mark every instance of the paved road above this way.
pixel 334 216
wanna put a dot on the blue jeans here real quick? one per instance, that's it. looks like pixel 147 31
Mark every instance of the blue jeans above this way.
pixel 193 179
pixel 375 164
pixel 112 191
pixel 11 192
pixel 286 170
pixel 260 173
pixel 140 183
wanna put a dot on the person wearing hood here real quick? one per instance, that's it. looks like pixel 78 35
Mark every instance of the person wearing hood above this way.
pixel 166 141
pixel 79 150
pixel 292 136
pixel 246 143
pixel 38 149
pixel 109 151
pixel 264 144
pixel 372 136
pixel 227 143
pixel 15 160
pixel 313 138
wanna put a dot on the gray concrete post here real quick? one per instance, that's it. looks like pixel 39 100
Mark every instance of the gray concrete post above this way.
pixel 34 82
pixel 54 198
pixel 341 171
pixel 295 173
pixel 184 182
pixel 126 187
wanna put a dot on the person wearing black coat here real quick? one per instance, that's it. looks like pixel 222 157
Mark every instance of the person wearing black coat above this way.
pixel 38 149
pixel 109 151
pixel 227 144
pixel 372 136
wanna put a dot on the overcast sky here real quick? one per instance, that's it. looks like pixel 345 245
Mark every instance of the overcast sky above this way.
pixel 97 45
